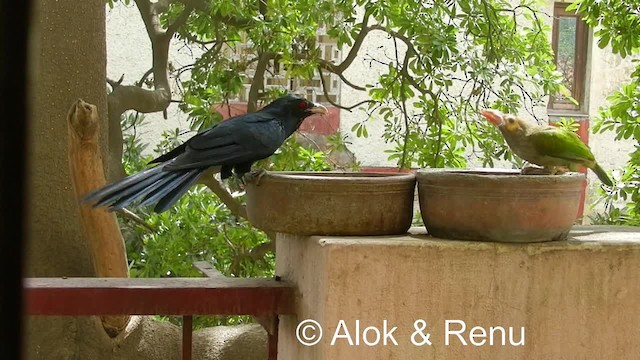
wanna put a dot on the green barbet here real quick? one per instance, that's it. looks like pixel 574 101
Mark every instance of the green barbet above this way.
pixel 545 145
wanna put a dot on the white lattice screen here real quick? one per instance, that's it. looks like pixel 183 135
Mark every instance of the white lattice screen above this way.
pixel 311 89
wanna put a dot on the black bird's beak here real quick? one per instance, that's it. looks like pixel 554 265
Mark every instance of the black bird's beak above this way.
pixel 318 109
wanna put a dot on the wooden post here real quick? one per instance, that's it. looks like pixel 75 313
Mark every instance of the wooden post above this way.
pixel 101 229
pixel 187 333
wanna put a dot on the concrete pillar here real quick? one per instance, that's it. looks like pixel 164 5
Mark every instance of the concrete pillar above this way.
pixel 575 299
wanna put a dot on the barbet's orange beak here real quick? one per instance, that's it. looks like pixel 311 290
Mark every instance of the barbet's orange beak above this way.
pixel 494 116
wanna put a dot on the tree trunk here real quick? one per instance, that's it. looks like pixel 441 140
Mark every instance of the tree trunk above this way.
pixel 69 62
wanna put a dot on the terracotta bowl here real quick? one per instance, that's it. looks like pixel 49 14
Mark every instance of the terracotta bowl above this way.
pixel 332 203
pixel 498 204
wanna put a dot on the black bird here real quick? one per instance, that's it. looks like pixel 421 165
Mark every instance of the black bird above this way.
pixel 230 146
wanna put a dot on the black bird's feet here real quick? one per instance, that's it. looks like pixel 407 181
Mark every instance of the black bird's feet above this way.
pixel 254 176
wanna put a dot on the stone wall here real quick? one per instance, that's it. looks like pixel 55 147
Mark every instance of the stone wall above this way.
pixel 574 299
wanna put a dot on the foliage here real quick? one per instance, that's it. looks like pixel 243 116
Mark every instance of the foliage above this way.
pixel 617 24
pixel 462 56
pixel 622 115
pixel 568 124
pixel 447 59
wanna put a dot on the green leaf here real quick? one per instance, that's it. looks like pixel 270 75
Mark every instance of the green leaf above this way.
pixel 566 93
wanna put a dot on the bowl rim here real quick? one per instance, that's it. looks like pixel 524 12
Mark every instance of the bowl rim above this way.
pixel 495 173
pixel 335 176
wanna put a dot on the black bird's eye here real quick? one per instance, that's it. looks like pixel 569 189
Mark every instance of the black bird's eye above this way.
pixel 302 105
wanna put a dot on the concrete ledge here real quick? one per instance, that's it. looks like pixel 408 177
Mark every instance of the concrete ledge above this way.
pixel 576 299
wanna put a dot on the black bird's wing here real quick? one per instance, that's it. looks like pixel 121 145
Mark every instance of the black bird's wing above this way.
pixel 170 155
pixel 232 146
pixel 242 139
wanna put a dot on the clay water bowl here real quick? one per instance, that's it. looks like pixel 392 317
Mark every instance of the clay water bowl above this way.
pixel 332 203
pixel 498 204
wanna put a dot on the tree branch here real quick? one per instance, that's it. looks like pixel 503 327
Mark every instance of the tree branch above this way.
pixel 149 17
pixel 180 20
pixel 236 208
pixel 144 77
pixel 326 95
pixel 131 97
pixel 114 84
pixel 205 6
pixel 259 251
pixel 357 44
pixel 128 214
pixel 324 64
pixel 193 39
pixel 257 83
pixel 351 56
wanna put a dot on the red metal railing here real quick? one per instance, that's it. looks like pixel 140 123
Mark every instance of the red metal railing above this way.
pixel 211 295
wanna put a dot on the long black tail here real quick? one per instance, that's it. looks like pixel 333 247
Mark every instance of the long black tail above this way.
pixel 146 187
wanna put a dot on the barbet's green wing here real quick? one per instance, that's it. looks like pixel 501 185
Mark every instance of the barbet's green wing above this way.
pixel 561 143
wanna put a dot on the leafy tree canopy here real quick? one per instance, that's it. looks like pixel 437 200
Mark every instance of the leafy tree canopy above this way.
pixel 446 59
